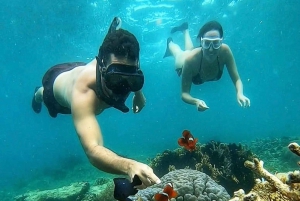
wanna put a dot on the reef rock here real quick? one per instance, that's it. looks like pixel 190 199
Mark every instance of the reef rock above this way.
pixel 191 185
pixel 68 193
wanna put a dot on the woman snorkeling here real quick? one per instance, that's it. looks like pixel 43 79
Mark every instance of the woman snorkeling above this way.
pixel 204 63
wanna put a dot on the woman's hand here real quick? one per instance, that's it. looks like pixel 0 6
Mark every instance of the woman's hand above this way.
pixel 201 105
pixel 243 100
pixel 139 101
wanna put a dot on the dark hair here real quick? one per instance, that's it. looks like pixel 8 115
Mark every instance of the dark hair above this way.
pixel 121 43
pixel 209 26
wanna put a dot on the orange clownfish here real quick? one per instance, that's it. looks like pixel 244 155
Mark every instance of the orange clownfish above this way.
pixel 188 141
pixel 167 193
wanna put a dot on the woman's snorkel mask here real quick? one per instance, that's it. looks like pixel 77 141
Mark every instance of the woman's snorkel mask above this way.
pixel 116 81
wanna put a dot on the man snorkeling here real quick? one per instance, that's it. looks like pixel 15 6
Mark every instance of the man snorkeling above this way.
pixel 86 90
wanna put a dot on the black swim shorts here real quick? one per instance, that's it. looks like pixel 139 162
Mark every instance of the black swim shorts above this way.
pixel 53 106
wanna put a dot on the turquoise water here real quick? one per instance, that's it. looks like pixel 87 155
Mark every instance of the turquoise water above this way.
pixel 264 38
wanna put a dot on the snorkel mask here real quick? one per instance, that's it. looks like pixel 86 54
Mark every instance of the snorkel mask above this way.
pixel 116 81
pixel 122 78
pixel 215 43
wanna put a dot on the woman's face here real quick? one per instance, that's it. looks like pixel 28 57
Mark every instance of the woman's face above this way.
pixel 211 43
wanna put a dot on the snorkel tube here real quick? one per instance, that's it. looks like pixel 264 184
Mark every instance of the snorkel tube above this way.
pixel 115 25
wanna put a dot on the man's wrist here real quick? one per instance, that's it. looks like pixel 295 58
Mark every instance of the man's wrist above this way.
pixel 128 163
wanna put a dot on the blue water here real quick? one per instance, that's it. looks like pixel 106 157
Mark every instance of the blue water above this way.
pixel 35 35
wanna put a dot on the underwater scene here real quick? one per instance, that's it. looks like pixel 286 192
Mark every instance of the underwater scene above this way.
pixel 191 100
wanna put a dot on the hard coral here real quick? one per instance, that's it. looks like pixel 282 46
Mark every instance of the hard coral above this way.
pixel 273 189
pixel 223 162
pixel 295 148
pixel 190 185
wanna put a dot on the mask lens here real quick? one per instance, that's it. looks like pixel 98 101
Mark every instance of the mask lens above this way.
pixel 123 79
pixel 207 42
pixel 216 44
pixel 136 82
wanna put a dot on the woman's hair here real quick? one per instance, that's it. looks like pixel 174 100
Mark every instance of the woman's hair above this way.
pixel 209 26
pixel 121 43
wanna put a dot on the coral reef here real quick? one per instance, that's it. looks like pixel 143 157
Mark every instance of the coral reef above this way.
pixel 279 187
pixel 222 162
pixel 214 165
pixel 190 185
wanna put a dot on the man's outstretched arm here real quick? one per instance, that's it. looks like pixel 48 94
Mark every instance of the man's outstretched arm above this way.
pixel 90 136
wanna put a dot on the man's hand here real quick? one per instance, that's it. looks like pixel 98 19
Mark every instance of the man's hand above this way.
pixel 243 100
pixel 144 172
pixel 201 105
pixel 139 101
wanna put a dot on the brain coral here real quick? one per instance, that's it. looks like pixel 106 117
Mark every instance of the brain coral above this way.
pixel 191 185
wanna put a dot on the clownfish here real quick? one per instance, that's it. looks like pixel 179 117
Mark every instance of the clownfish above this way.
pixel 188 141
pixel 167 193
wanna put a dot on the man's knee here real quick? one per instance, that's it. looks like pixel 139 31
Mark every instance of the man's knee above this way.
pixel 39 95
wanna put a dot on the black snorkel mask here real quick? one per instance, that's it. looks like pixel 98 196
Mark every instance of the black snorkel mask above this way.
pixel 122 78
pixel 116 81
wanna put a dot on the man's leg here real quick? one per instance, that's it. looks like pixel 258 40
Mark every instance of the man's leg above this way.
pixel 37 99
pixel 39 95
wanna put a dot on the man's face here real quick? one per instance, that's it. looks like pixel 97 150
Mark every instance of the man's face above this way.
pixel 121 60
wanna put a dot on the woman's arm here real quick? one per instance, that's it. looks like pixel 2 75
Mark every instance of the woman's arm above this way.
pixel 138 101
pixel 235 77
pixel 186 83
pixel 232 69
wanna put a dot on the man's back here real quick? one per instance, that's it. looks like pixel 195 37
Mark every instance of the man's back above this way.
pixel 82 81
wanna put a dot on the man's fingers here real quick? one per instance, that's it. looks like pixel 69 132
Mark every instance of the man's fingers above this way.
pixel 145 183
pixel 153 178
pixel 148 182
pixel 149 178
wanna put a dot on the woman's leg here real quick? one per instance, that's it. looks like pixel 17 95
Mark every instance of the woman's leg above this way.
pixel 187 40
pixel 174 49
pixel 184 28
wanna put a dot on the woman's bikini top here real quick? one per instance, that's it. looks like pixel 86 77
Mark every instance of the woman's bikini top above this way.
pixel 197 78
